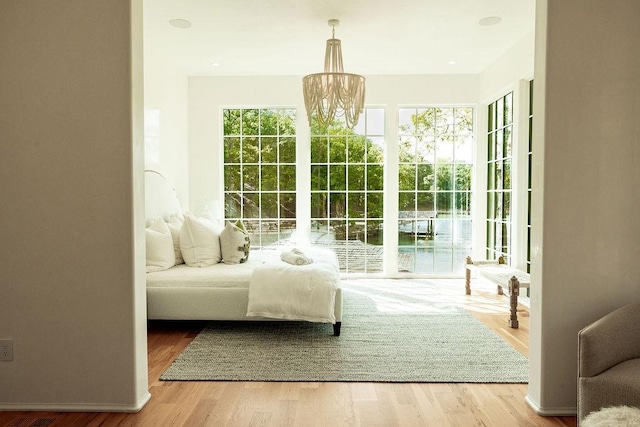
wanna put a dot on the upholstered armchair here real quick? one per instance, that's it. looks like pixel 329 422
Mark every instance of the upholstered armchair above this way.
pixel 609 361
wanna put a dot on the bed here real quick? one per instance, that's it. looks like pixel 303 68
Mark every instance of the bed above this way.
pixel 220 291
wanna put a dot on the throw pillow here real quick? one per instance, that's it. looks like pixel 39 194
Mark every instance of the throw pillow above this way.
pixel 234 242
pixel 200 241
pixel 175 225
pixel 159 247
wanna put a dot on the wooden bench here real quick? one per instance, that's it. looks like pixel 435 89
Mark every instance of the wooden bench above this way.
pixel 503 276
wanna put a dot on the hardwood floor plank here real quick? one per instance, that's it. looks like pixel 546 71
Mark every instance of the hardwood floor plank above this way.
pixel 428 408
pixel 363 391
pixel 375 413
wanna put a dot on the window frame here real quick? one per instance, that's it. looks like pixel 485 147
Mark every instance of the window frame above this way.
pixel 255 190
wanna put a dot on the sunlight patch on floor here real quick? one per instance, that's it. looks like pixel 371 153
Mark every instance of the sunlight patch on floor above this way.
pixel 429 296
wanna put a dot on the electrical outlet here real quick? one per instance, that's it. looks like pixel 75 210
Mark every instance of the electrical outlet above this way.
pixel 6 350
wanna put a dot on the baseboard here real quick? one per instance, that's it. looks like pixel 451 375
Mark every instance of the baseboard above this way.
pixel 75 407
pixel 550 412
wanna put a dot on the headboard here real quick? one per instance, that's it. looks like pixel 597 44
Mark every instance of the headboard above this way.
pixel 160 197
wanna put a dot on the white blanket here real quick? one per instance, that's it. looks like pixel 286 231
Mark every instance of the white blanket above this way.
pixel 280 290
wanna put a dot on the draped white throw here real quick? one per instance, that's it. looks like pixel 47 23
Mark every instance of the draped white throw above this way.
pixel 280 290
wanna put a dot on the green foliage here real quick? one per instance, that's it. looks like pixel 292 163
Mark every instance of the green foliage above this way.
pixel 255 141
pixel 430 178
pixel 343 160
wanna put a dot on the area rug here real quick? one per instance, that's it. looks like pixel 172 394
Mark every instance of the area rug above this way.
pixel 386 336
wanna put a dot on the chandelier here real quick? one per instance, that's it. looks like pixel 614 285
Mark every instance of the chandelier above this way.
pixel 333 93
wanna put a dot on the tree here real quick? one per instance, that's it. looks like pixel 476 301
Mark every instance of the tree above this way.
pixel 424 134
pixel 259 156
pixel 347 169
pixel 343 160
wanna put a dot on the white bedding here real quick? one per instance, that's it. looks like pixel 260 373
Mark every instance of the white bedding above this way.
pixel 279 290
pixel 225 275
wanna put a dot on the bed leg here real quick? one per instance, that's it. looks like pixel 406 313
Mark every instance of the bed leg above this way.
pixel 336 329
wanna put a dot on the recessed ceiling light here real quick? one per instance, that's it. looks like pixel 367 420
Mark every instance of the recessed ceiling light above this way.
pixel 489 21
pixel 215 64
pixel 180 23
pixel 452 62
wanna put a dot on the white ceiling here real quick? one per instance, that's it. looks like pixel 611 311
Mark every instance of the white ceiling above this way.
pixel 287 37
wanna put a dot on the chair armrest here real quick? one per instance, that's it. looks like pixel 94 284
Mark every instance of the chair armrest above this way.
pixel 610 340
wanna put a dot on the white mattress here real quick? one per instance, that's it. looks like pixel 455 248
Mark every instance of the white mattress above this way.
pixel 216 276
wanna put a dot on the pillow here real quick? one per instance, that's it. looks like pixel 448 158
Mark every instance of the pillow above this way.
pixel 234 243
pixel 175 224
pixel 200 241
pixel 160 254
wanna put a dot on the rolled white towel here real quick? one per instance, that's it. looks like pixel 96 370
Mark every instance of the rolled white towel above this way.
pixel 295 258
pixel 296 251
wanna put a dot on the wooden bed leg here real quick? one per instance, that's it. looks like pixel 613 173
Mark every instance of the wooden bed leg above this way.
pixel 514 291
pixel 336 328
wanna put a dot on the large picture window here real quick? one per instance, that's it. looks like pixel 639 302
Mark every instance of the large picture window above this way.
pixel 346 190
pixel 434 203
pixel 347 197
pixel 260 172
pixel 499 138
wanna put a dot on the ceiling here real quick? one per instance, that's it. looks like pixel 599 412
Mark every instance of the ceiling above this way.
pixel 287 37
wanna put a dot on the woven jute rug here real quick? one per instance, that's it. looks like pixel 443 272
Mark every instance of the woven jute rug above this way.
pixel 388 335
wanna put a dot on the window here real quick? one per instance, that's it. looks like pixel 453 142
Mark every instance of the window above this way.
pixel 499 135
pixel 347 169
pixel 260 172
pixel 435 164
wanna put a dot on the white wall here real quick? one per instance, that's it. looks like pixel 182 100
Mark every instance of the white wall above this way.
pixel 515 64
pixel 586 176
pixel 166 98
pixel 72 256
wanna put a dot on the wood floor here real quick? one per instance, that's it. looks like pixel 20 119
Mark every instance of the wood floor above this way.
pixel 320 404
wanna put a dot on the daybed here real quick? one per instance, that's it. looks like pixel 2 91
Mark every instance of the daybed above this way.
pixel 221 291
